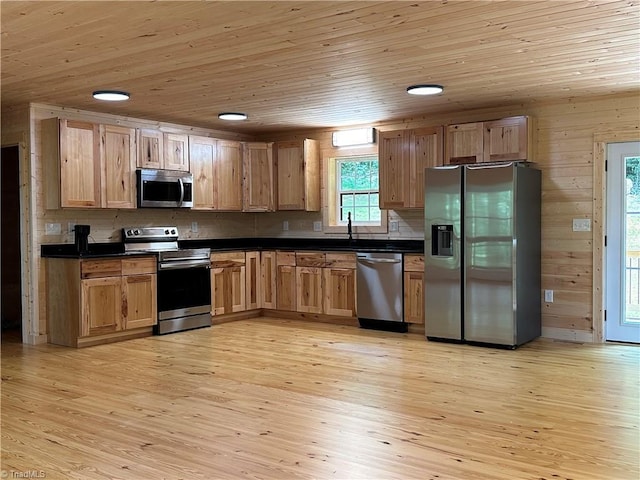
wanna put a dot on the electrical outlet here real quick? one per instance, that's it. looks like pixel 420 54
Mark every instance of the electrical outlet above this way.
pixel 581 225
pixel 52 229
pixel 393 226
pixel 548 296
pixel 71 227
pixel 317 226
pixel 194 227
pixel 285 226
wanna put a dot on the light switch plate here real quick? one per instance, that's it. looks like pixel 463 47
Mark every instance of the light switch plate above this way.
pixel 548 296
pixel 194 227
pixel 581 225
pixel 317 226
pixel 393 226
pixel 285 226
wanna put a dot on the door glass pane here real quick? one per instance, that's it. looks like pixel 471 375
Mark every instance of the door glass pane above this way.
pixel 632 241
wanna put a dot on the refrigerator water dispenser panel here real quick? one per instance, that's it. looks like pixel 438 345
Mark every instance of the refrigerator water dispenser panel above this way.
pixel 442 240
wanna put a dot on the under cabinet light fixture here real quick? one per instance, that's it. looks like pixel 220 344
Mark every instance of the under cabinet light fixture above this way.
pixel 351 138
pixel 232 116
pixel 111 95
pixel 431 89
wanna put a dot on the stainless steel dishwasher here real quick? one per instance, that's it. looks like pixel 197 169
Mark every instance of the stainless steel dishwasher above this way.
pixel 379 291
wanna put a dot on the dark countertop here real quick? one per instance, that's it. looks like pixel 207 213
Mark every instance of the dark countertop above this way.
pixel 99 250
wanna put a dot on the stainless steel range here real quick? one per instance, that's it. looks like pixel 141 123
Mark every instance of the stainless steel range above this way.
pixel 184 279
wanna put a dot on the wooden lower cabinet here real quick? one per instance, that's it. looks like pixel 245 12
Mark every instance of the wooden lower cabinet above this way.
pixel 414 289
pixel 268 280
pixel 339 291
pixel 325 283
pixel 140 300
pixel 253 288
pixel 101 300
pixel 309 291
pixel 286 281
pixel 102 306
pixel 228 283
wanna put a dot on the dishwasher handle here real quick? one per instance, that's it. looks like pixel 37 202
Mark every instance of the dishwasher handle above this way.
pixel 377 260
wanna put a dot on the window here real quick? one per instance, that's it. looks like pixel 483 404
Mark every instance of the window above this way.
pixel 357 190
pixel 351 184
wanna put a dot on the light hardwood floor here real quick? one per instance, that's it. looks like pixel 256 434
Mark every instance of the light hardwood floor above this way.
pixel 278 399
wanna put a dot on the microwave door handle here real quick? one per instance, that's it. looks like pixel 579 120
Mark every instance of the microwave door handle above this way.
pixel 181 192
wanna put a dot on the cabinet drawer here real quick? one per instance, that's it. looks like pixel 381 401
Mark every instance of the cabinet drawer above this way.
pixel 139 265
pixel 340 260
pixel 101 268
pixel 286 258
pixel 227 259
pixel 310 259
pixel 414 263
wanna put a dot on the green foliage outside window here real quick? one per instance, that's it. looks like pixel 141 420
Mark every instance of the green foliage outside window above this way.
pixel 358 185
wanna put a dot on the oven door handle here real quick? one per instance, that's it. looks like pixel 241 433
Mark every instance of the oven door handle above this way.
pixel 182 264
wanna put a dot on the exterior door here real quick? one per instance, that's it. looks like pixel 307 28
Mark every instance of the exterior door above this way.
pixel 622 281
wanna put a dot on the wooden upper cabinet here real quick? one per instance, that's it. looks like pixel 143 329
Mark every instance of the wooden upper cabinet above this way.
pixel 464 143
pixel 403 155
pixel 88 165
pixel 426 150
pixel 298 175
pixel 162 151
pixel 202 156
pixel 216 166
pixel 503 140
pixel 392 155
pixel 71 152
pixel 118 152
pixel 508 139
pixel 150 149
pixel 227 176
pixel 257 183
pixel 176 152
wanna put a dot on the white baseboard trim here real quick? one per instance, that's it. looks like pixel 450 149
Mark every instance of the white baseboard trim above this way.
pixel 567 334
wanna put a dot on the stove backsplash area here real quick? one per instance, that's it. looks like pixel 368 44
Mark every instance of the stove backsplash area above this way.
pixel 107 225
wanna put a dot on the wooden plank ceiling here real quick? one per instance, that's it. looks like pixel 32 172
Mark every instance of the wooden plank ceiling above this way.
pixel 314 63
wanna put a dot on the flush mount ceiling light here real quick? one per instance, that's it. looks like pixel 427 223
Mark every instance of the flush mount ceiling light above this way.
pixel 111 95
pixel 425 89
pixel 232 116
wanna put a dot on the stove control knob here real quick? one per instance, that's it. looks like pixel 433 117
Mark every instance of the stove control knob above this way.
pixel 129 233
pixel 173 231
pixel 166 232
pixel 136 232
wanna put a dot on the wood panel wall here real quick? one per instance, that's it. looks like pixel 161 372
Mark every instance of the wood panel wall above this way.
pixel 564 145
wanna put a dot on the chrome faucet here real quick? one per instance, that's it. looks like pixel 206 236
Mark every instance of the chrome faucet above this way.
pixel 349 226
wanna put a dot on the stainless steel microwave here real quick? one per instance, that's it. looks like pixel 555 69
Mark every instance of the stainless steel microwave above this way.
pixel 164 188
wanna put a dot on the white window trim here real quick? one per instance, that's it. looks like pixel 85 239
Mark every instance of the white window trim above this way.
pixel 331 224
pixel 338 192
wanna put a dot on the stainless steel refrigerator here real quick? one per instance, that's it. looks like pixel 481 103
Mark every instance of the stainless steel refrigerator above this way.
pixel 482 254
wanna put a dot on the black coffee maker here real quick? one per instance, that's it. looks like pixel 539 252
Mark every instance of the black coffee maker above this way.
pixel 82 238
